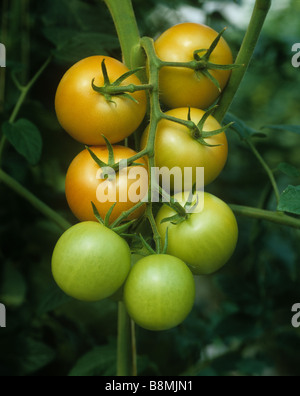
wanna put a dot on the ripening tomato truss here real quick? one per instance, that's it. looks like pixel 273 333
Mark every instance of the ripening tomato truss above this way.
pixel 104 105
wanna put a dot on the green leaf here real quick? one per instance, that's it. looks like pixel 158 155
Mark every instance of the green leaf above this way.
pixel 244 131
pixel 285 128
pixel 32 355
pixel 71 45
pixel 100 360
pixel 290 200
pixel 52 299
pixel 251 366
pixel 289 170
pixel 26 139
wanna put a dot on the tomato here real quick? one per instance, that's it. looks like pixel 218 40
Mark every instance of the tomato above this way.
pixel 159 292
pixel 90 262
pixel 181 86
pixel 86 115
pixel 176 147
pixel 207 239
pixel 84 185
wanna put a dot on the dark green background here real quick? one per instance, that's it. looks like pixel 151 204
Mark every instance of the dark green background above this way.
pixel 241 323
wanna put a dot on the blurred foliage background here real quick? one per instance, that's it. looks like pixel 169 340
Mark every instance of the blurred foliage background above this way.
pixel 241 324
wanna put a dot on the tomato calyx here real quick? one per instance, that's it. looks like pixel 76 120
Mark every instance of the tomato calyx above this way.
pixel 111 89
pixel 202 65
pixel 197 131
pixel 183 212
pixel 106 222
pixel 110 168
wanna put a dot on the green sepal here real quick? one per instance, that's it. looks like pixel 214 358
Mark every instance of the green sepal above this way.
pixel 126 75
pixel 96 159
pixel 97 214
pixel 123 228
pixel 217 131
pixel 165 249
pixel 130 97
pixel 212 79
pixel 111 156
pixel 105 74
pixel 146 244
pixel 108 214
pixel 189 206
pixel 204 143
pixel 175 220
pixel 214 66
pixel 214 44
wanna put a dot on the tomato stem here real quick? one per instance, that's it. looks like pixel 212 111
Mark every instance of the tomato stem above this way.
pixel 124 355
pixel 266 168
pixel 24 90
pixel 34 201
pixel 279 218
pixel 244 57
pixel 128 32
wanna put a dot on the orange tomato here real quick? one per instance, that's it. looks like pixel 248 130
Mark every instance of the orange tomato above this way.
pixel 84 185
pixel 86 115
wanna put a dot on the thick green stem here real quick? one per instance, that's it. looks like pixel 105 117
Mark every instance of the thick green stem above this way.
pixel 244 57
pixel 273 217
pixel 34 201
pixel 128 32
pixel 124 357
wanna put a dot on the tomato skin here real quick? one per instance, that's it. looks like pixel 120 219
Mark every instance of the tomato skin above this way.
pixel 175 146
pixel 90 262
pixel 82 185
pixel 207 240
pixel 181 87
pixel 86 115
pixel 159 292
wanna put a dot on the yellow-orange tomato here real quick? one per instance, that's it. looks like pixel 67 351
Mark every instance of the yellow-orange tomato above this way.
pixel 86 114
pixel 182 87
pixel 85 184
pixel 175 147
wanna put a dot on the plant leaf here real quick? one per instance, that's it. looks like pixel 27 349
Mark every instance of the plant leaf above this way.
pixel 99 360
pixel 25 138
pixel 285 128
pixel 290 200
pixel 289 170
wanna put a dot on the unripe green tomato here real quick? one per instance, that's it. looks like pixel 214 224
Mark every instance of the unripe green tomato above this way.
pixel 207 239
pixel 90 262
pixel 159 292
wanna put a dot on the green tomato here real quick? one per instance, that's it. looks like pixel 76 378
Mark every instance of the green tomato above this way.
pixel 207 239
pixel 90 262
pixel 159 293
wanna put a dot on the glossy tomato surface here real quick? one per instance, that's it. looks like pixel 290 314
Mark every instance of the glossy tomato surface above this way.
pixel 159 293
pixel 181 87
pixel 207 239
pixel 85 184
pixel 175 147
pixel 86 114
pixel 90 262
